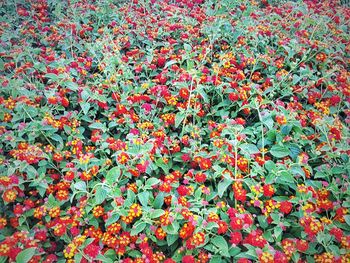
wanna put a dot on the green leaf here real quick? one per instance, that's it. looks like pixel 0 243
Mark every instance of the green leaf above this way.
pixel 179 117
pixel 294 150
pixel 98 126
pixel 71 85
pixel 113 175
pixel 81 186
pixel 137 228
pixel 279 151
pixel 100 195
pixel 270 165
pixel 52 77
pixel 287 177
pixel 347 219
pixel 268 121
pixel 151 182
pixel 102 258
pixel 85 106
pixel 173 228
pixel 187 47
pixel 215 259
pixel 223 184
pixel 234 251
pixel 160 163
pixel 263 221
pixel 221 243
pixel 171 238
pixel 157 213
pixel 114 218
pixel 277 231
pixel 159 200
pixel 143 197
pixel 169 63
pixel 25 255
pixel 249 148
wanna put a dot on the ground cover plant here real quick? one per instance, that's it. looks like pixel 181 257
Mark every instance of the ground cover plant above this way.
pixel 174 131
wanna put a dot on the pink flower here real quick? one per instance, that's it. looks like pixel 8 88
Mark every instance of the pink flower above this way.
pixel 147 107
pixel 92 250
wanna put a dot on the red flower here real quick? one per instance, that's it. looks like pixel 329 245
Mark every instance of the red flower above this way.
pixel 280 257
pixel 286 207
pixel 92 250
pixel 236 223
pixel 14 251
pixel 182 190
pixel 337 233
pixel 268 190
pixel 302 245
pixel 184 93
pixel 223 227
pixel 161 62
pixel 65 102
pixel 200 177
pixel 233 97
pixel 52 100
pixel 188 259
pixel 205 164
pixel 186 157
pixel 235 238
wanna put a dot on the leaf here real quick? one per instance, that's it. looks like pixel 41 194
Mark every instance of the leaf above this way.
pixel 179 117
pixel 287 177
pixel 151 182
pixel 143 197
pixel 347 219
pixel 223 184
pixel 169 63
pixel 279 151
pixel 57 138
pixel 294 150
pixel 268 121
pixel 160 163
pixel 263 221
pixel 221 243
pixel 114 218
pixel 171 239
pixel 113 175
pixel 100 195
pixel 137 228
pixel 85 106
pixel 159 200
pixel 215 259
pixel 71 85
pixel 52 77
pixel 157 213
pixel 81 186
pixel 285 129
pixel 98 126
pixel 249 148
pixel 25 255
pixel 270 165
pixel 277 231
pixel 187 47
pixel 173 228
pixel 102 258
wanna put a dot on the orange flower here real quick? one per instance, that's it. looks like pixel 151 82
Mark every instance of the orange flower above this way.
pixel 160 233
pixel 9 195
pixel 98 211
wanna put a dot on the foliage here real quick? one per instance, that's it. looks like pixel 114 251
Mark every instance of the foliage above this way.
pixel 174 131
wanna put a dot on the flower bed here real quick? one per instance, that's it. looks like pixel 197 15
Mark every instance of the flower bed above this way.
pixel 174 131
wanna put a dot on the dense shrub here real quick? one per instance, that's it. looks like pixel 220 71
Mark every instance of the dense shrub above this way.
pixel 174 131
